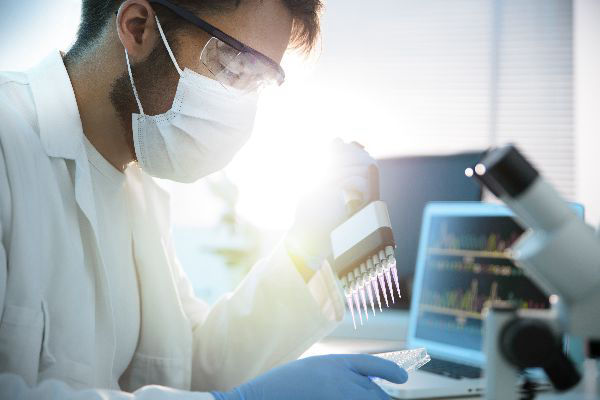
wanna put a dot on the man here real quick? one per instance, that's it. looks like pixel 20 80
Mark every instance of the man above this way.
pixel 94 303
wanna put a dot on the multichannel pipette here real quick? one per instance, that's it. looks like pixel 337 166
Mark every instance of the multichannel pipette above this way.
pixel 363 253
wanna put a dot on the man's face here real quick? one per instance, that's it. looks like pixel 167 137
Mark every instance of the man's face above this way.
pixel 264 25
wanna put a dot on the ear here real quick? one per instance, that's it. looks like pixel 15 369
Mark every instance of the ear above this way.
pixel 136 28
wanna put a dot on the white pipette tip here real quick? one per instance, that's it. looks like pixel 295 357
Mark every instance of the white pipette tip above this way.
pixel 395 276
pixel 388 278
pixel 364 301
pixel 370 293
pixel 357 304
pixel 376 290
pixel 383 289
pixel 349 300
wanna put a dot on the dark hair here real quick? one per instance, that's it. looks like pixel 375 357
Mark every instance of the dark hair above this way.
pixel 95 14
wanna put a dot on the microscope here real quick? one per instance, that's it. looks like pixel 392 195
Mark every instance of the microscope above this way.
pixel 561 254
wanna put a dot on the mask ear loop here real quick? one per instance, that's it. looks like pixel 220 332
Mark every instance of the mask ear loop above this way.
pixel 164 39
pixel 135 92
pixel 162 35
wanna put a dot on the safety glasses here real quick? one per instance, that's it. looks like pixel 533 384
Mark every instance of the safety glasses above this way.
pixel 230 61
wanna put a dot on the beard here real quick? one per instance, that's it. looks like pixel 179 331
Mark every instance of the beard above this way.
pixel 156 81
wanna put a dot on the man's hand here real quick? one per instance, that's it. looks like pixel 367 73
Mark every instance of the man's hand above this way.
pixel 333 377
pixel 321 211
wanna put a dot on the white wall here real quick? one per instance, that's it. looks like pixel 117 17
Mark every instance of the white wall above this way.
pixel 32 28
pixel 587 105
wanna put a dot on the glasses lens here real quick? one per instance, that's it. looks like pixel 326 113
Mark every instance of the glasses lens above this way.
pixel 241 70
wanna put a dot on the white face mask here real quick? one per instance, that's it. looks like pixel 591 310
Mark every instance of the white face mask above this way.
pixel 205 127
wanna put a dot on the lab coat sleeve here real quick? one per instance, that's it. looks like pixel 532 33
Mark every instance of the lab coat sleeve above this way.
pixel 271 318
pixel 14 387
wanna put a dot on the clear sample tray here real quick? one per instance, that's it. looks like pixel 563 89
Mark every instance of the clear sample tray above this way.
pixel 410 360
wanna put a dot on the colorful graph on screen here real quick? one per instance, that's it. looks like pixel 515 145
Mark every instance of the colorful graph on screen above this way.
pixel 468 263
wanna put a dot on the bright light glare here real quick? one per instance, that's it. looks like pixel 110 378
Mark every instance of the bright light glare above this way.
pixel 287 153
pixel 480 169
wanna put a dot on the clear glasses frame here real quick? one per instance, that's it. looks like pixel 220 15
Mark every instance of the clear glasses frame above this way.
pixel 275 72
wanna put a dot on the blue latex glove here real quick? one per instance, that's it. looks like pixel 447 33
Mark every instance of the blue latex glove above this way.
pixel 332 377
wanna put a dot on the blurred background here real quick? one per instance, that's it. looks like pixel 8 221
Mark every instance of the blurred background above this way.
pixel 406 78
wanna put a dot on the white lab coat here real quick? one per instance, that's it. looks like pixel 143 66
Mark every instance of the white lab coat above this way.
pixel 50 301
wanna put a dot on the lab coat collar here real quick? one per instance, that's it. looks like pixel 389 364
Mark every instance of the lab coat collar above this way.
pixel 58 116
pixel 61 132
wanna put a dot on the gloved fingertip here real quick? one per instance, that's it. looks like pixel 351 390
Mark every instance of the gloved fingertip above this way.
pixel 402 376
pixel 398 375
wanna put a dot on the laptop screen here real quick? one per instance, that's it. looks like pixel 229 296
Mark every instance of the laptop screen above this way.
pixel 466 265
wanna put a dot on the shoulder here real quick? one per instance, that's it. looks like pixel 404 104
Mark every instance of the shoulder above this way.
pixel 9 77
pixel 13 85
pixel 19 132
pixel 16 98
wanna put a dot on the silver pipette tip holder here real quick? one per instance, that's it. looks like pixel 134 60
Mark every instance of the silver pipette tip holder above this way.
pixel 363 253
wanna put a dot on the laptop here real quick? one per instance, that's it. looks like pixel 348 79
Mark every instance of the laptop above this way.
pixel 461 263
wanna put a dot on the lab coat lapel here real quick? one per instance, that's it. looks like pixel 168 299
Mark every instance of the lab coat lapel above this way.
pixel 61 134
pixel 164 350
pixel 163 355
pixel 60 126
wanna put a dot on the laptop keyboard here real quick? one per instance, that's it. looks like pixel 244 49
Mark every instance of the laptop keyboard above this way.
pixel 451 369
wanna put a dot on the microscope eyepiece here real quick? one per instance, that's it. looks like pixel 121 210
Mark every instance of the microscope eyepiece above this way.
pixel 504 171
